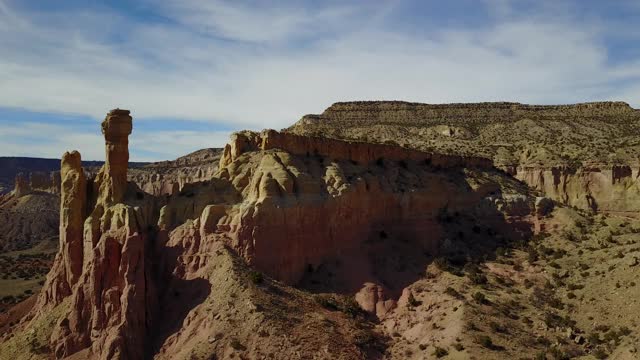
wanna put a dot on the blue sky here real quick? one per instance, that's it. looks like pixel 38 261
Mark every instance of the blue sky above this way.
pixel 192 71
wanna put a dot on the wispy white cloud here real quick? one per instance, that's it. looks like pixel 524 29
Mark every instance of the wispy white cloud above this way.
pixel 257 66
pixel 260 21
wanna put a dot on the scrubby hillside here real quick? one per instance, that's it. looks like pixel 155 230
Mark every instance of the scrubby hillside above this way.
pixel 571 292
pixel 303 246
pixel 582 154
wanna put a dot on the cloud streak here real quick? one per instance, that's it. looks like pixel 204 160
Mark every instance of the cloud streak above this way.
pixel 246 65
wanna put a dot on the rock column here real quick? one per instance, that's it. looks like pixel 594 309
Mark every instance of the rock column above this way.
pixel 21 187
pixel 73 198
pixel 116 128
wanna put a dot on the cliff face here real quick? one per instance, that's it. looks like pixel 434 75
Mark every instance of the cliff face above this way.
pixel 613 188
pixel 289 203
pixel 582 154
pixel 169 177
pixel 36 182
pixel 138 276
pixel 30 212
pixel 100 268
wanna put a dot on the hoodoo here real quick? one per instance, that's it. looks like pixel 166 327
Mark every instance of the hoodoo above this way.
pixel 100 262
pixel 171 274
pixel 116 128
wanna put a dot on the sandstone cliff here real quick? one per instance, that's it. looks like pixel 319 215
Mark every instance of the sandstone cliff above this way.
pixel 582 155
pixel 36 182
pixel 169 177
pixel 140 276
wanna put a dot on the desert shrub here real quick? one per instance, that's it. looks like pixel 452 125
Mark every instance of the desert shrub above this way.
pixel 327 302
pixel 575 286
pixel 497 327
pixel 475 274
pixel 558 354
pixel 554 320
pixel 479 297
pixel 546 296
pixel 539 236
pixel 440 352
pixel 485 341
pixel 452 292
pixel 237 345
pixel 412 301
pixel 600 353
pixel 364 339
pixel 256 277
pixel 441 263
pixel 351 307
pixel 500 251
pixel 528 283
pixel 558 254
pixel 542 355
pixel 624 331
pixel 478 278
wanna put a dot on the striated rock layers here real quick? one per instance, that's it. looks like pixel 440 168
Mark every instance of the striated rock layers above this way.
pixel 100 263
pixel 582 155
pixel 610 188
pixel 169 177
pixel 36 182
pixel 136 275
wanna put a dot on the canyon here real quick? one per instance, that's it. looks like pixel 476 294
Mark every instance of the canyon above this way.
pixel 342 236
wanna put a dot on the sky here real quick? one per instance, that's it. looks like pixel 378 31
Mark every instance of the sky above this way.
pixel 193 71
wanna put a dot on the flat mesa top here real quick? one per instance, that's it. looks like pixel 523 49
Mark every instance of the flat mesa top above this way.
pixel 488 105
pixel 118 111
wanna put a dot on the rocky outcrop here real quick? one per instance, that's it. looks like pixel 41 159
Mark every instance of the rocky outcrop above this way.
pixel 169 177
pixel 609 188
pixel 138 272
pixel 380 112
pixel 73 201
pixel 113 175
pixel 100 264
pixel 580 155
pixel 358 152
pixel 22 187
pixel 306 198
pixel 36 182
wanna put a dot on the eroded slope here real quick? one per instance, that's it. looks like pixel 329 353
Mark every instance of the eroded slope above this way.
pixel 582 154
